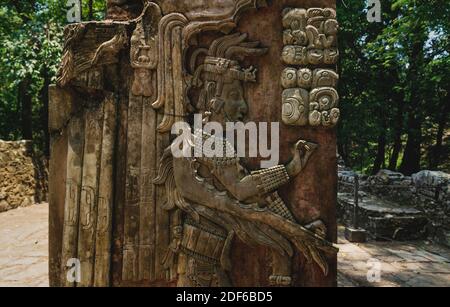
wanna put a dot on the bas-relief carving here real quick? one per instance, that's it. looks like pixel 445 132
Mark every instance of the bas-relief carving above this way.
pixel 211 201
pixel 307 78
pixel 82 65
pixel 144 50
pixel 217 198
pixel 323 102
pixel 295 106
pixel 310 36
pixel 310 39
pixel 310 97
pixel 107 52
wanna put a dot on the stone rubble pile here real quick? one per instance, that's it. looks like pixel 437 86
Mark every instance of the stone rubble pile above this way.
pixel 426 191
pixel 22 177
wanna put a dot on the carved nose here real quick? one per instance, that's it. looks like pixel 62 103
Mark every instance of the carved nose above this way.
pixel 243 110
pixel 241 114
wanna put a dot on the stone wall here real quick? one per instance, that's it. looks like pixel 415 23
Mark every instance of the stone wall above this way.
pixel 426 191
pixel 23 177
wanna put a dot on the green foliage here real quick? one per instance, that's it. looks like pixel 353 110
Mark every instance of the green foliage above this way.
pixel 98 9
pixel 389 71
pixel 384 79
pixel 30 41
pixel 30 50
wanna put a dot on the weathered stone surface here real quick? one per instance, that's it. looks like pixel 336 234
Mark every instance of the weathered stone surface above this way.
pixel 401 264
pixel 398 227
pixel 427 192
pixel 25 263
pixel 387 176
pixel 355 235
pixel 175 59
pixel 23 176
pixel 383 219
pixel 431 179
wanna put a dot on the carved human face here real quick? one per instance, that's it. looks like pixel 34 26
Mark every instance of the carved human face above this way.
pixel 235 107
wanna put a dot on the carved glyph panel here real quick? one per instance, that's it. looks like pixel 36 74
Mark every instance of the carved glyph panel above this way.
pixel 309 83
pixel 310 36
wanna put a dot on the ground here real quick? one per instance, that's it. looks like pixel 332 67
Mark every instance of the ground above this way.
pixel 24 256
pixel 400 264
pixel 24 247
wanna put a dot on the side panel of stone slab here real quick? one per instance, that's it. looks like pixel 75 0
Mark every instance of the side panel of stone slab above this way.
pixel 75 145
pixel 57 178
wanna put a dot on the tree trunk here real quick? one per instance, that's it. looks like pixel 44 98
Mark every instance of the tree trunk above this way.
pixel 343 153
pixel 397 134
pixel 437 149
pixel 381 153
pixel 91 9
pixel 26 108
pixel 412 156
pixel 81 10
pixel 396 151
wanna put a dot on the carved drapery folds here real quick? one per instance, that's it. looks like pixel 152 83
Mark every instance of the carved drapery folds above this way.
pixel 310 39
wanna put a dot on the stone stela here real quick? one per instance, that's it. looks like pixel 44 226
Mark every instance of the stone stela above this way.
pixel 133 214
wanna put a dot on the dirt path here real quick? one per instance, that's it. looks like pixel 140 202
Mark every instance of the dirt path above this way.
pixel 24 247
pixel 24 256
pixel 393 264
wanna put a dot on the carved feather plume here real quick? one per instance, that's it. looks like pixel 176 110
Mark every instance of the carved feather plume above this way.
pixel 171 87
pixel 166 177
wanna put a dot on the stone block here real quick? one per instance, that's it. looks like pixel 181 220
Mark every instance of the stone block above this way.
pixel 356 235
pixel 398 227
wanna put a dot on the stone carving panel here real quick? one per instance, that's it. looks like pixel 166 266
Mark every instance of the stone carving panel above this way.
pixel 216 207
pixel 323 102
pixel 296 106
pixel 310 39
pixel 82 65
pixel 136 215
pixel 143 51
pixel 310 36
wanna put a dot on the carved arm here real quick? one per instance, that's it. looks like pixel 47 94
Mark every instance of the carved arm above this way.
pixel 264 182
pixel 259 183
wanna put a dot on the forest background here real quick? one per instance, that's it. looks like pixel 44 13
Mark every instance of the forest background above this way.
pixel 394 87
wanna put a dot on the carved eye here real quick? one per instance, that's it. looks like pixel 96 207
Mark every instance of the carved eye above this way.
pixel 234 95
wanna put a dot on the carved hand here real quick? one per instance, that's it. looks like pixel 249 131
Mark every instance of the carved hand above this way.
pixel 301 152
pixel 318 227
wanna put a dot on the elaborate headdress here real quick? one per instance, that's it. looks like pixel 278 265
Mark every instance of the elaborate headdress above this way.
pixel 221 65
pixel 221 62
